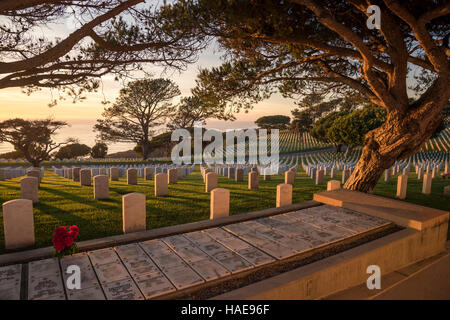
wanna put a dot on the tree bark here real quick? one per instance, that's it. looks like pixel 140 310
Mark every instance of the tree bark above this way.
pixel 145 150
pixel 399 137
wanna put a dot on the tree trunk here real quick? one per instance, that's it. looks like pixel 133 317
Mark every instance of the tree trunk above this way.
pixel 338 147
pixel 145 150
pixel 399 137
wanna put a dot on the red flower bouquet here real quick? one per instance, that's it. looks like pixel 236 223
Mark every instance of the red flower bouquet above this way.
pixel 64 241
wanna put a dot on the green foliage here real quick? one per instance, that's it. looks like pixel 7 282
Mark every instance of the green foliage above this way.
pixel 73 150
pixel 34 138
pixel 12 155
pixel 352 128
pixel 302 121
pixel 99 150
pixel 321 126
pixel 273 122
pixel 141 106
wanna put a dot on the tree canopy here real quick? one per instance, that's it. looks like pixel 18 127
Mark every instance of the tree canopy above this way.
pixel 33 138
pixel 273 122
pixel 99 150
pixel 115 37
pixel 141 106
pixel 351 129
pixel 73 150
pixel 325 48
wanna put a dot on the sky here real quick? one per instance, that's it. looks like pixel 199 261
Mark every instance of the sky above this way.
pixel 81 116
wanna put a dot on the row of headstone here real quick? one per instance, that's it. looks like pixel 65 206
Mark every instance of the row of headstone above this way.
pixel 11 173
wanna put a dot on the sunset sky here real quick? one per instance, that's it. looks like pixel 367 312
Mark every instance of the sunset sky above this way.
pixel 82 115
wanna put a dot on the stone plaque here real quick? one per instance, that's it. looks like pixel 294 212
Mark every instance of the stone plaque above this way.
pixel 209 269
pixel 284 218
pixel 154 284
pixel 88 278
pixel 80 259
pixel 45 287
pixel 168 261
pixel 111 272
pixel 234 243
pixel 276 250
pixel 140 266
pixel 234 263
pixel 103 256
pixel 9 292
pixel 92 293
pixel 213 248
pixel 130 251
pixel 122 290
pixel 217 233
pixel 191 254
pixel 43 267
pixel 255 238
pixel 198 237
pixel 176 242
pixel 183 277
pixel 155 248
pixel 255 256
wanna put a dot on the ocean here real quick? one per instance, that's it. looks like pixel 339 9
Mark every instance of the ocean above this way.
pixel 82 130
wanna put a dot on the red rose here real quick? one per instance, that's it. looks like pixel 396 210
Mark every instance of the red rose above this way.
pixel 58 238
pixel 74 232
pixel 68 240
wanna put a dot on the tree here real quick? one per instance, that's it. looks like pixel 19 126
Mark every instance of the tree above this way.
pixel 109 37
pixel 193 109
pixel 273 122
pixel 324 48
pixel 33 138
pixel 99 150
pixel 141 106
pixel 352 128
pixel 71 151
pixel 320 128
pixel 302 121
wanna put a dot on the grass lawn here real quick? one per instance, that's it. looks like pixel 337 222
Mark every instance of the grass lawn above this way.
pixel 64 202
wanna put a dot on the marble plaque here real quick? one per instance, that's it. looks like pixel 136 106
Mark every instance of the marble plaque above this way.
pixel 140 266
pixel 276 250
pixel 43 268
pixel 217 233
pixel 269 222
pixel 130 251
pixel 255 256
pixel 234 243
pixel 103 256
pixel 155 248
pixel 9 292
pixel 209 269
pixel 88 278
pixel 92 293
pixel 177 242
pixel 154 284
pixel 122 290
pixel 10 275
pixel 191 254
pixel 234 263
pixel 198 237
pixel 45 287
pixel 80 259
pixel 111 272
pixel 183 277
pixel 168 261
pixel 213 248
